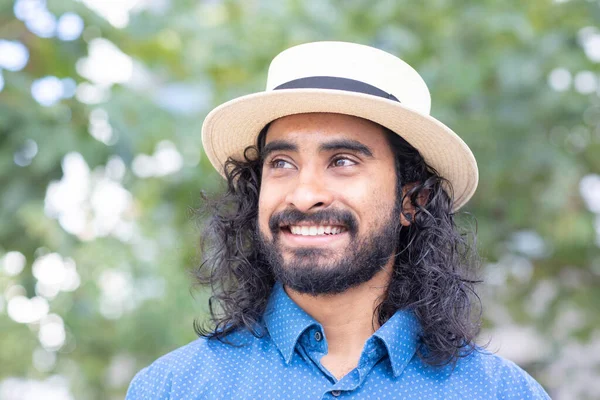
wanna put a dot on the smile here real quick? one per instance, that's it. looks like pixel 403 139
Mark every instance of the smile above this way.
pixel 315 230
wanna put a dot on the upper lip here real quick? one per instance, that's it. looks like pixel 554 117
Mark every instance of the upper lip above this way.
pixel 305 223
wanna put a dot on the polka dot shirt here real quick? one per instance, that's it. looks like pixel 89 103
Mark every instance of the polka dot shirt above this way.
pixel 285 364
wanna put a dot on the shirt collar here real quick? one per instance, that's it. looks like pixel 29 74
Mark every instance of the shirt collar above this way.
pixel 400 334
pixel 286 321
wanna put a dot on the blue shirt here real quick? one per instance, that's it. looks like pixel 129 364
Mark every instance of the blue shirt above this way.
pixel 284 364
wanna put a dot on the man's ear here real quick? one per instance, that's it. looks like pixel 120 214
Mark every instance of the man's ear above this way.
pixel 407 208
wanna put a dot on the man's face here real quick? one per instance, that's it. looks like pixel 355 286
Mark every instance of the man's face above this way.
pixel 328 216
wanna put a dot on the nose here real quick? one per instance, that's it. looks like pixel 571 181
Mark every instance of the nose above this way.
pixel 310 194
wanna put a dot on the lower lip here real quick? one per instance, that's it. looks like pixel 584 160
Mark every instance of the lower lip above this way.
pixel 317 240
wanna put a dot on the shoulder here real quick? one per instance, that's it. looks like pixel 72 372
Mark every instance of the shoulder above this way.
pixel 504 377
pixel 155 381
pixel 198 362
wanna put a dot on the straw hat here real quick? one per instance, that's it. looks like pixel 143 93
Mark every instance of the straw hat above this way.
pixel 344 78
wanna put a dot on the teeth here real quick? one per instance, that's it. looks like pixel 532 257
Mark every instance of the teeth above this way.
pixel 315 230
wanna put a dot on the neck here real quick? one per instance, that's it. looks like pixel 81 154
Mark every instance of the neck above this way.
pixel 348 318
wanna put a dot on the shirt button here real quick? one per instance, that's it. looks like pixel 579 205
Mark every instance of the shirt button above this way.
pixel 318 336
pixel 336 393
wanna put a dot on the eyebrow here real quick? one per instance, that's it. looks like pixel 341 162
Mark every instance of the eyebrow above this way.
pixel 277 145
pixel 341 144
pixel 347 144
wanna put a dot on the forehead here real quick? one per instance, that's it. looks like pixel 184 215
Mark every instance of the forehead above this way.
pixel 306 130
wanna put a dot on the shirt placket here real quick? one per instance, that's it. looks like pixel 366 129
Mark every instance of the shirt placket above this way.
pixel 314 346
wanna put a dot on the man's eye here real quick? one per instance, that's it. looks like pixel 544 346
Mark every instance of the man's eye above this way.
pixel 279 163
pixel 342 162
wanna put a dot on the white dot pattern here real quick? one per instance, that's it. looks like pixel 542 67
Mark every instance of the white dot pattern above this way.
pixel 285 364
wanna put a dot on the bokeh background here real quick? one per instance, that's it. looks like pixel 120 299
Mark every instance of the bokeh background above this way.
pixel 101 169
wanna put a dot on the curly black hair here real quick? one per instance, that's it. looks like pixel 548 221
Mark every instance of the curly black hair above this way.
pixel 433 271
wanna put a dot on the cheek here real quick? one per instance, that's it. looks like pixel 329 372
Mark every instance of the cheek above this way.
pixel 375 199
pixel 387 186
pixel 267 203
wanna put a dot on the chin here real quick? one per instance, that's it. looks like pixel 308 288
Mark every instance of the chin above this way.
pixel 309 256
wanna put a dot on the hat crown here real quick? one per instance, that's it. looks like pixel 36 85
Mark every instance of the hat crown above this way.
pixel 352 61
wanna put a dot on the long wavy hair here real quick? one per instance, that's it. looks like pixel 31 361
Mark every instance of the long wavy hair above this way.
pixel 433 271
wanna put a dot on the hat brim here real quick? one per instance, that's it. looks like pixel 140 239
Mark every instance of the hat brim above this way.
pixel 235 125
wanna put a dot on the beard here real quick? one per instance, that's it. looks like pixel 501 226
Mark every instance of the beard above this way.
pixel 317 271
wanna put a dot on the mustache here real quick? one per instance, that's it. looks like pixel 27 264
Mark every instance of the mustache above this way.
pixel 321 217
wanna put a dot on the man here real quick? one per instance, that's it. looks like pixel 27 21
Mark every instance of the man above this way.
pixel 336 266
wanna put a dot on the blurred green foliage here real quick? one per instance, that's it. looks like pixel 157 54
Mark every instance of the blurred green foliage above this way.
pixel 489 65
